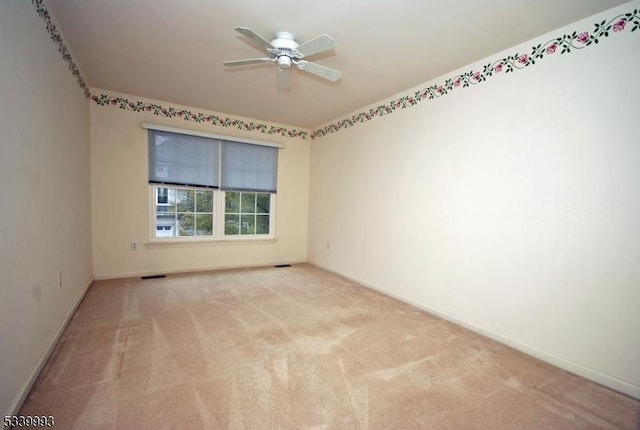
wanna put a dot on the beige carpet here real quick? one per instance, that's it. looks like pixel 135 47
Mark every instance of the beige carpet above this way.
pixel 296 348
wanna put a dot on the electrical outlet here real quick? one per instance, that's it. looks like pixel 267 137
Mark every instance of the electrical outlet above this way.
pixel 59 279
pixel 133 245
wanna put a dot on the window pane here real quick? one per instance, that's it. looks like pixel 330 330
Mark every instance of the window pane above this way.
pixel 161 209
pixel 204 224
pixel 248 203
pixel 263 203
pixel 185 224
pixel 166 200
pixel 232 202
pixel 172 197
pixel 185 200
pixel 164 231
pixel 231 224
pixel 247 224
pixel 165 225
pixel 262 224
pixel 162 196
pixel 204 201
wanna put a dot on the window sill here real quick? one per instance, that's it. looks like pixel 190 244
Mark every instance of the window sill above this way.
pixel 217 242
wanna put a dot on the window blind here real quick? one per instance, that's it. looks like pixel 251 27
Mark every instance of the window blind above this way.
pixel 191 160
pixel 247 167
pixel 182 159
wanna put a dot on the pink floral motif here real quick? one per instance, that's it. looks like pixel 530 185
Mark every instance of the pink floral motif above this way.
pixel 552 48
pixel 456 83
pixel 619 26
pixel 523 59
pixel 583 37
pixel 476 76
pixel 498 68
pixel 440 90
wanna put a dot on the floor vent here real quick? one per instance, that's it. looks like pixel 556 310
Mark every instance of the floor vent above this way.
pixel 282 265
pixel 153 276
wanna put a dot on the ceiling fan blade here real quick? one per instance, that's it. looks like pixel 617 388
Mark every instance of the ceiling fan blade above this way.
pixel 255 37
pixel 249 61
pixel 315 46
pixel 284 79
pixel 318 70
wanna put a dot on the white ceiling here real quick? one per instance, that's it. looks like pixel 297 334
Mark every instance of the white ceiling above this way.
pixel 172 50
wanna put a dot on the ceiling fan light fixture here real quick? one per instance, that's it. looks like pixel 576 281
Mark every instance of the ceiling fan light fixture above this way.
pixel 284 62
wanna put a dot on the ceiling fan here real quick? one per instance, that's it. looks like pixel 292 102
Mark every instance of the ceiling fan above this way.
pixel 285 52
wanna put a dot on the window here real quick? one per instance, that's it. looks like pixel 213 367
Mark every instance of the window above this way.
pixel 246 213
pixel 186 212
pixel 209 188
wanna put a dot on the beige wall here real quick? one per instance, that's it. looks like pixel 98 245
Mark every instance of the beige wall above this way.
pixel 120 200
pixel 45 205
pixel 511 207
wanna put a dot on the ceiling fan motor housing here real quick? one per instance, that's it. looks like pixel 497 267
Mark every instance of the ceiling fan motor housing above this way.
pixel 285 40
pixel 285 51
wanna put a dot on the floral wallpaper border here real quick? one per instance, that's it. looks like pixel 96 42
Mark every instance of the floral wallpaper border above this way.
pixel 187 115
pixel 564 44
pixel 62 48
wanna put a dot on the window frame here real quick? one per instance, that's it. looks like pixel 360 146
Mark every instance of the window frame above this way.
pixel 240 236
pixel 218 219
pixel 219 196
pixel 153 187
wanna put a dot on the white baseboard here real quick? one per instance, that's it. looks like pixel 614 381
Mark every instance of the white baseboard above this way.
pixel 616 384
pixel 121 275
pixel 14 409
